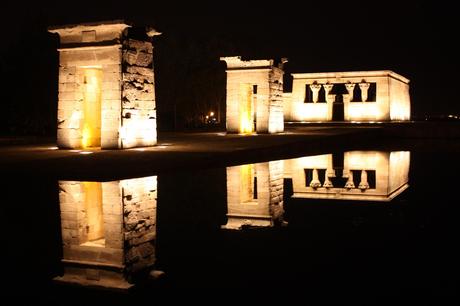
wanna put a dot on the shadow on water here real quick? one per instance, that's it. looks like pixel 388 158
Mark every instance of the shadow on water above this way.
pixel 343 226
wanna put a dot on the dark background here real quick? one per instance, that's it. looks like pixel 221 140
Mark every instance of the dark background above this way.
pixel 416 40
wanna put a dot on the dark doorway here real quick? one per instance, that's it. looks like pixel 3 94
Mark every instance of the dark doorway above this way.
pixel 337 107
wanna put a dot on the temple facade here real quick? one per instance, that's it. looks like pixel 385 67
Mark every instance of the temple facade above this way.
pixel 255 98
pixel 106 93
pixel 348 96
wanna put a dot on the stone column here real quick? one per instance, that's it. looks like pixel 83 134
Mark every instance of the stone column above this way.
pixel 315 183
pixel 350 87
pixel 327 88
pixel 364 87
pixel 327 182
pixel 363 184
pixel 349 184
pixel 315 88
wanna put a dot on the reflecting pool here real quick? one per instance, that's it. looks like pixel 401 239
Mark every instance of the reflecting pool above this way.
pixel 361 224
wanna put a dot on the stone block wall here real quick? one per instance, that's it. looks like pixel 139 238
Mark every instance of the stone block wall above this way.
pixel 267 102
pixel 71 94
pixel 234 81
pixel 127 111
pixel 392 97
pixel 400 108
pixel 138 122
pixel 275 113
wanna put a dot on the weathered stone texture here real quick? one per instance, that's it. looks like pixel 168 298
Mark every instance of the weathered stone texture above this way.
pixel 276 118
pixel 139 213
pixel 266 103
pixel 127 83
pixel 138 98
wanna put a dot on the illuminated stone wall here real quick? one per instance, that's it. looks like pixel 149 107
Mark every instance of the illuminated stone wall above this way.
pixel 399 100
pixel 254 93
pixel 391 176
pixel 125 89
pixel 254 195
pixel 126 212
pixel 138 121
pixel 275 113
pixel 392 100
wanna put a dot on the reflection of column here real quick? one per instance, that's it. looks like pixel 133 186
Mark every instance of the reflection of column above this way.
pixel 315 183
pixel 364 90
pixel 327 88
pixel 315 88
pixel 363 184
pixel 350 87
pixel 349 184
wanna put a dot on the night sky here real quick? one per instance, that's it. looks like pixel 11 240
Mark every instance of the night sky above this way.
pixel 413 39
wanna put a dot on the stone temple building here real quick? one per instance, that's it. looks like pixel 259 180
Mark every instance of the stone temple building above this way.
pixel 254 96
pixel 254 195
pixel 106 86
pixel 108 231
pixel 348 96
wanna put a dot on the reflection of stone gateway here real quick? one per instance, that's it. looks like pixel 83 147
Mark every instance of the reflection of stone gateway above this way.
pixel 108 230
pixel 254 195
pixel 106 87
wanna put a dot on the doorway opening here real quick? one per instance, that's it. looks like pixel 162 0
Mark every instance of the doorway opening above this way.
pixel 93 232
pixel 248 184
pixel 92 96
pixel 246 109
pixel 338 110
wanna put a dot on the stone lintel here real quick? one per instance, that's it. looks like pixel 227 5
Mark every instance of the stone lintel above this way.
pixel 91 47
pixel 248 69
pixel 330 76
pixel 88 26
pixel 249 216
pixel 90 33
pixel 235 62
pixel 93 264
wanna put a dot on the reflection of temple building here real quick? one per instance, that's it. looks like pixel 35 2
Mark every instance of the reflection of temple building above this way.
pixel 255 192
pixel 254 96
pixel 108 230
pixel 254 195
pixel 106 86
pixel 359 175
